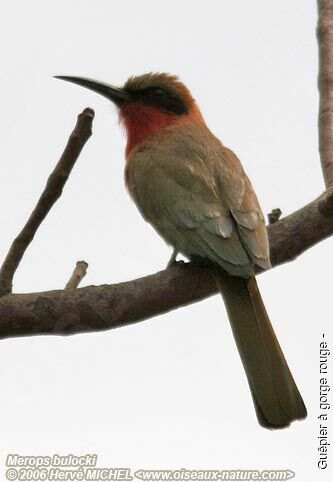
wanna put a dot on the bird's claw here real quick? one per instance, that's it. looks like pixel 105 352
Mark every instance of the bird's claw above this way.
pixel 173 260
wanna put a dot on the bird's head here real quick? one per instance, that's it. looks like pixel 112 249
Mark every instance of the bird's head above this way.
pixel 147 103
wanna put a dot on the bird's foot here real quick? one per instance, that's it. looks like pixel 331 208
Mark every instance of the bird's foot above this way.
pixel 173 260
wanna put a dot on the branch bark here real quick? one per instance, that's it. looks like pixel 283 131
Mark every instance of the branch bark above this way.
pixel 49 196
pixel 96 308
pixel 78 274
pixel 325 85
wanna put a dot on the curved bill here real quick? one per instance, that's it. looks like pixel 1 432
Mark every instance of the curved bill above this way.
pixel 116 95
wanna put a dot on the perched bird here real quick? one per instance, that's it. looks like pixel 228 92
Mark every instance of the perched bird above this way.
pixel 195 193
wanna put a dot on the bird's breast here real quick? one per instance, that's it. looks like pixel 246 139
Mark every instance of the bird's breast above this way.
pixel 142 120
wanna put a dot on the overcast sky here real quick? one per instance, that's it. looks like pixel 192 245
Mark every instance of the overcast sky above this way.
pixel 169 392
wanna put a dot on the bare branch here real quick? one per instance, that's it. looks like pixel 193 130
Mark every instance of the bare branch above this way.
pixel 49 196
pixel 325 85
pixel 274 215
pixel 77 276
pixel 97 308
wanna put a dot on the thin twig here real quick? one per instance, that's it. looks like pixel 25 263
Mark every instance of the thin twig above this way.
pixel 51 193
pixel 274 215
pixel 325 86
pixel 77 276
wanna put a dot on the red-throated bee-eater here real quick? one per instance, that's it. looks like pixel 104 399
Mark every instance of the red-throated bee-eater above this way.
pixel 195 193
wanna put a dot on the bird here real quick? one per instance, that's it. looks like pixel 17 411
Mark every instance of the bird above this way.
pixel 195 193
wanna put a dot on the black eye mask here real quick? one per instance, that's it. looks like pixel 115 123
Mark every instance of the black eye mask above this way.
pixel 160 98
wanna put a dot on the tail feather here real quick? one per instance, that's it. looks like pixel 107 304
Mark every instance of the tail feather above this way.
pixel 276 397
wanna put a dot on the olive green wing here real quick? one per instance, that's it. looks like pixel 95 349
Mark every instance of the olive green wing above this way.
pixel 245 210
pixel 187 212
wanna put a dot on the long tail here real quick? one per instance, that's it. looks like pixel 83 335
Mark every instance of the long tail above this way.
pixel 276 398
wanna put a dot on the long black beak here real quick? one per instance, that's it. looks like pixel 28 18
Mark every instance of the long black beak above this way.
pixel 116 95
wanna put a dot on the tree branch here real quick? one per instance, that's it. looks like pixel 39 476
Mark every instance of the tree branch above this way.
pixel 96 308
pixel 49 196
pixel 77 276
pixel 325 85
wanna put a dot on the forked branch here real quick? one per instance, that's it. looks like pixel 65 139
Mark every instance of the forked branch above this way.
pixel 49 196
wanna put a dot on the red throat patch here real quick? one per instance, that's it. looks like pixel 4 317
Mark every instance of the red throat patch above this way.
pixel 140 121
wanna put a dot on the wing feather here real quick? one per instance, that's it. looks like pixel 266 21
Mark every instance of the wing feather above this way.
pixel 202 205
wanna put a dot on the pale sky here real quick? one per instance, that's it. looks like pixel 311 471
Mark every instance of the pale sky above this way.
pixel 169 392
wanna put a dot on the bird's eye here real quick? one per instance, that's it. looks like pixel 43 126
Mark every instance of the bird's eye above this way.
pixel 158 92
